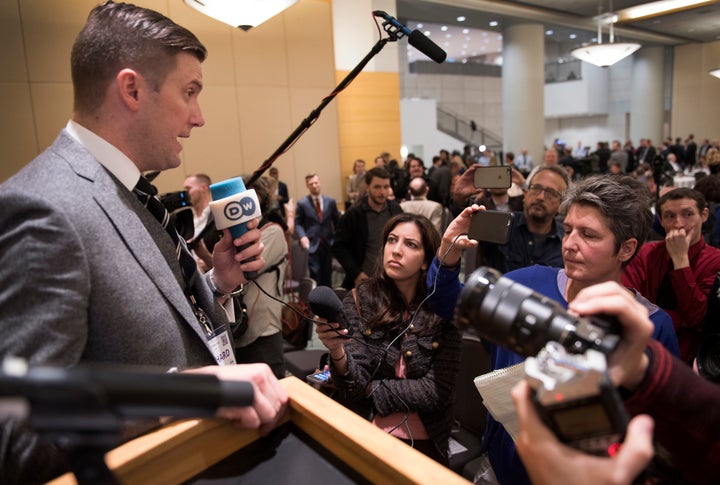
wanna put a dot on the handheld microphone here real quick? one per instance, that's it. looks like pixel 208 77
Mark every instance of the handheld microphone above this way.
pixel 416 38
pixel 232 207
pixel 54 394
pixel 325 304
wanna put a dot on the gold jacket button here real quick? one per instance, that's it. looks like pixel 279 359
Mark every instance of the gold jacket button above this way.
pixel 367 332
pixel 412 325
pixel 408 354
pixel 435 345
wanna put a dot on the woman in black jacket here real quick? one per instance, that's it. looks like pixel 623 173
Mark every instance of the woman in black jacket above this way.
pixel 400 364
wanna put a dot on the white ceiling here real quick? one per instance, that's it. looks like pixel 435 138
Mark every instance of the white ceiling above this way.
pixel 567 23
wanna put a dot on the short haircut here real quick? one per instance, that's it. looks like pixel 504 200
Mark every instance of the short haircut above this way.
pixel 203 178
pixel 273 170
pixel 622 200
pixel 557 169
pixel 118 36
pixel 378 172
pixel 682 193
pixel 309 176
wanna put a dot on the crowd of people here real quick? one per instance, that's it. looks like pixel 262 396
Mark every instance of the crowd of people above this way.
pixel 92 269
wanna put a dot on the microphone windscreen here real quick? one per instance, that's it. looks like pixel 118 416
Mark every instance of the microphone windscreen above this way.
pixel 325 304
pixel 423 43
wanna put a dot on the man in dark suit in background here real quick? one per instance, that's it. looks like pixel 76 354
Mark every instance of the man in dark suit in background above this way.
pixel 282 191
pixel 87 271
pixel 315 219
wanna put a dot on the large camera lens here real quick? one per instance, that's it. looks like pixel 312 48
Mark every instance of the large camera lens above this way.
pixel 513 316
pixel 708 358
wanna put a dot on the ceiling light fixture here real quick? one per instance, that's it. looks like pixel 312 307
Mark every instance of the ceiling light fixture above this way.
pixel 603 55
pixel 661 7
pixel 715 72
pixel 243 14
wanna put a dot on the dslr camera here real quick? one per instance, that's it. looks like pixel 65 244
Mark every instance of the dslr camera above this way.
pixel 566 362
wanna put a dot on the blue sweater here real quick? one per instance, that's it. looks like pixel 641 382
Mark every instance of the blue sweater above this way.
pixel 549 282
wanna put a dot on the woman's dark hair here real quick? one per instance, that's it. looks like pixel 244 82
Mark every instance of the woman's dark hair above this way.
pixel 384 297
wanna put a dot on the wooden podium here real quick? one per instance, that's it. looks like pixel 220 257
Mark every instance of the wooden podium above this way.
pixel 185 450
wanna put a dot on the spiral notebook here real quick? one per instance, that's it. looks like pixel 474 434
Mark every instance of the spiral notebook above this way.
pixel 495 387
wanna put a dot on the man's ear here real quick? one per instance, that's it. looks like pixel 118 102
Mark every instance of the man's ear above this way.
pixel 627 249
pixel 128 84
pixel 704 214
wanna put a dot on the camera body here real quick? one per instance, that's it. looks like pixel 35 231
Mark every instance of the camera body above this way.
pixel 567 356
pixel 575 398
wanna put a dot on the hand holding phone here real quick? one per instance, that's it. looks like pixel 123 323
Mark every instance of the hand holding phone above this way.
pixel 490 226
pixel 496 177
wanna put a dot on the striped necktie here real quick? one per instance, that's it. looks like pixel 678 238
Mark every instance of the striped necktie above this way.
pixel 146 193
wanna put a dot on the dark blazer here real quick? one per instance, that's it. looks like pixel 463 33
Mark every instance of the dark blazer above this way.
pixel 308 224
pixel 283 196
pixel 352 235
pixel 82 279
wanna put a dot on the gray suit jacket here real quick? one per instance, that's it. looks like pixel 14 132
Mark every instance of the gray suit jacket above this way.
pixel 82 278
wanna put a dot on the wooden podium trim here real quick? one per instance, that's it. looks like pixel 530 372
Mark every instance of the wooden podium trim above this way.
pixel 185 448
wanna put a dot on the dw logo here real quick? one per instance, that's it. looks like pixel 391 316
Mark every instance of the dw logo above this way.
pixel 236 210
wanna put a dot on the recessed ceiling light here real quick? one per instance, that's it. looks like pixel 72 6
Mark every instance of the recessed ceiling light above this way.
pixel 494 23
pixel 447 44
pixel 549 32
pixel 465 31
pixel 573 36
pixel 461 18
pixel 427 33
pixel 447 36
pixel 443 28
pixel 420 26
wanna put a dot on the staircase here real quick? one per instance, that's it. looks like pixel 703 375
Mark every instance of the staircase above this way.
pixel 465 130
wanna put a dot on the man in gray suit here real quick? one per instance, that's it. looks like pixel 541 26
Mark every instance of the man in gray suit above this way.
pixel 87 273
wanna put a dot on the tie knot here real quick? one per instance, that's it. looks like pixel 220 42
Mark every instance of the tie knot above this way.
pixel 144 186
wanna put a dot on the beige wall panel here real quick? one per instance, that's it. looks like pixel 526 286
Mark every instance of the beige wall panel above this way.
pixel 17 133
pixel 687 78
pixel 695 92
pixel 265 122
pixel 261 54
pixel 318 150
pixel 310 45
pixel 12 61
pixel 215 36
pixel 52 107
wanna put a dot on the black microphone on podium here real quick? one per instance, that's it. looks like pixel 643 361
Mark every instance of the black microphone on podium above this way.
pixel 72 398
pixel 415 38
pixel 325 304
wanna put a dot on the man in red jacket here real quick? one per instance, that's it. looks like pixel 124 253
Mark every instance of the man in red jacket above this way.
pixel 676 274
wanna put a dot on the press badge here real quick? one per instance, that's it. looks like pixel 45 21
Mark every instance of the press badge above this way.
pixel 219 345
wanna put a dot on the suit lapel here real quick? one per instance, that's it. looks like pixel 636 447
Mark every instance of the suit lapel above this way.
pixel 129 218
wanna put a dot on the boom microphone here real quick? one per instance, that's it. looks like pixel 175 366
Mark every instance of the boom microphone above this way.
pixel 416 38
pixel 232 207
pixel 325 304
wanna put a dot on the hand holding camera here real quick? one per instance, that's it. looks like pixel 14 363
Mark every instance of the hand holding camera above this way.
pixel 570 375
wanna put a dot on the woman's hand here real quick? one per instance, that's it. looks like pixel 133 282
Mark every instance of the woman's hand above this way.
pixel 456 233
